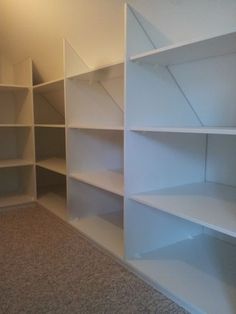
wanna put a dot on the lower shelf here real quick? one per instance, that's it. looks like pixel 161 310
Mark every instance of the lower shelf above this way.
pixel 106 230
pixel 198 271
pixel 57 165
pixel 54 199
pixel 15 199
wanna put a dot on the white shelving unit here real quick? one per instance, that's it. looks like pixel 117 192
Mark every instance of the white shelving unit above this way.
pixel 49 116
pixel 180 149
pixel 95 113
pixel 17 175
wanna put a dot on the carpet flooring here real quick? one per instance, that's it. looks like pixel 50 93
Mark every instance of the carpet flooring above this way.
pixel 46 266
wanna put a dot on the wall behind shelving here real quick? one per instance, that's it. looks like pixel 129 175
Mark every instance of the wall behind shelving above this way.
pixel 96 30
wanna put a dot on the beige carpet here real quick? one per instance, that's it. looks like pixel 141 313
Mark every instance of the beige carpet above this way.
pixel 47 267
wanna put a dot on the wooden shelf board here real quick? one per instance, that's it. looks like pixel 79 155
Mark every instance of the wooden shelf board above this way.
pixel 208 204
pixel 54 200
pixel 93 127
pixel 107 180
pixel 12 88
pixel 15 199
pixel 49 86
pixel 105 232
pixel 198 273
pixel 49 125
pixel 200 130
pixel 54 164
pixel 189 51
pixel 15 163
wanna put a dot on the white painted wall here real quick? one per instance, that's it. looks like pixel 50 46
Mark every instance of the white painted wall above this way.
pixel 95 27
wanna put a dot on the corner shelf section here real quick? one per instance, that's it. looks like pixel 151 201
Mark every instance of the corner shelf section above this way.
pixel 189 51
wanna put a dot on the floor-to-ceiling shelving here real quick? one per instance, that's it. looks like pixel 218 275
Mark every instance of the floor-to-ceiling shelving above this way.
pixel 49 118
pixel 180 212
pixel 17 175
pixel 94 102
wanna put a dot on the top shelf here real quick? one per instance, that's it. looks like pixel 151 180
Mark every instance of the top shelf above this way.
pixel 189 51
pixel 49 86
pixel 102 73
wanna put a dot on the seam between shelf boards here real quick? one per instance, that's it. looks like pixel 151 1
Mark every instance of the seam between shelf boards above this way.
pixel 184 95
pixel 142 27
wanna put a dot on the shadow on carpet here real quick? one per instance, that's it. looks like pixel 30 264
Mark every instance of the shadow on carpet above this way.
pixel 47 267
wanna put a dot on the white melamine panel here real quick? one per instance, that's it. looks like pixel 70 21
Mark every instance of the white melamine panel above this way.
pixel 49 105
pixel 137 40
pixel 197 272
pixel 111 181
pixel 159 160
pixel 208 204
pixel 12 88
pixel 84 200
pixel 54 164
pixel 15 74
pixel 221 159
pixel 106 230
pixel 154 99
pixel 73 63
pixel 200 130
pixel 94 150
pixel 50 143
pixel 16 186
pixel 147 229
pixel 16 145
pixel 190 51
pixel 51 192
pixel 15 107
pixel 96 99
pixel 209 86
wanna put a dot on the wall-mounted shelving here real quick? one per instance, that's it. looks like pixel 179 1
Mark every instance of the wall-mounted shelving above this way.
pixel 95 113
pixel 180 209
pixel 17 173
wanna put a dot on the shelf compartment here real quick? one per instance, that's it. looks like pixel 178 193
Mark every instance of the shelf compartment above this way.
pixel 17 186
pixel 51 192
pixel 190 51
pixel 98 214
pixel 15 106
pixel 17 144
pixel 188 95
pixel 208 204
pixel 49 107
pixel 94 151
pixel 108 180
pixel 192 265
pixel 96 99
pixel 50 146
pixel 54 164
